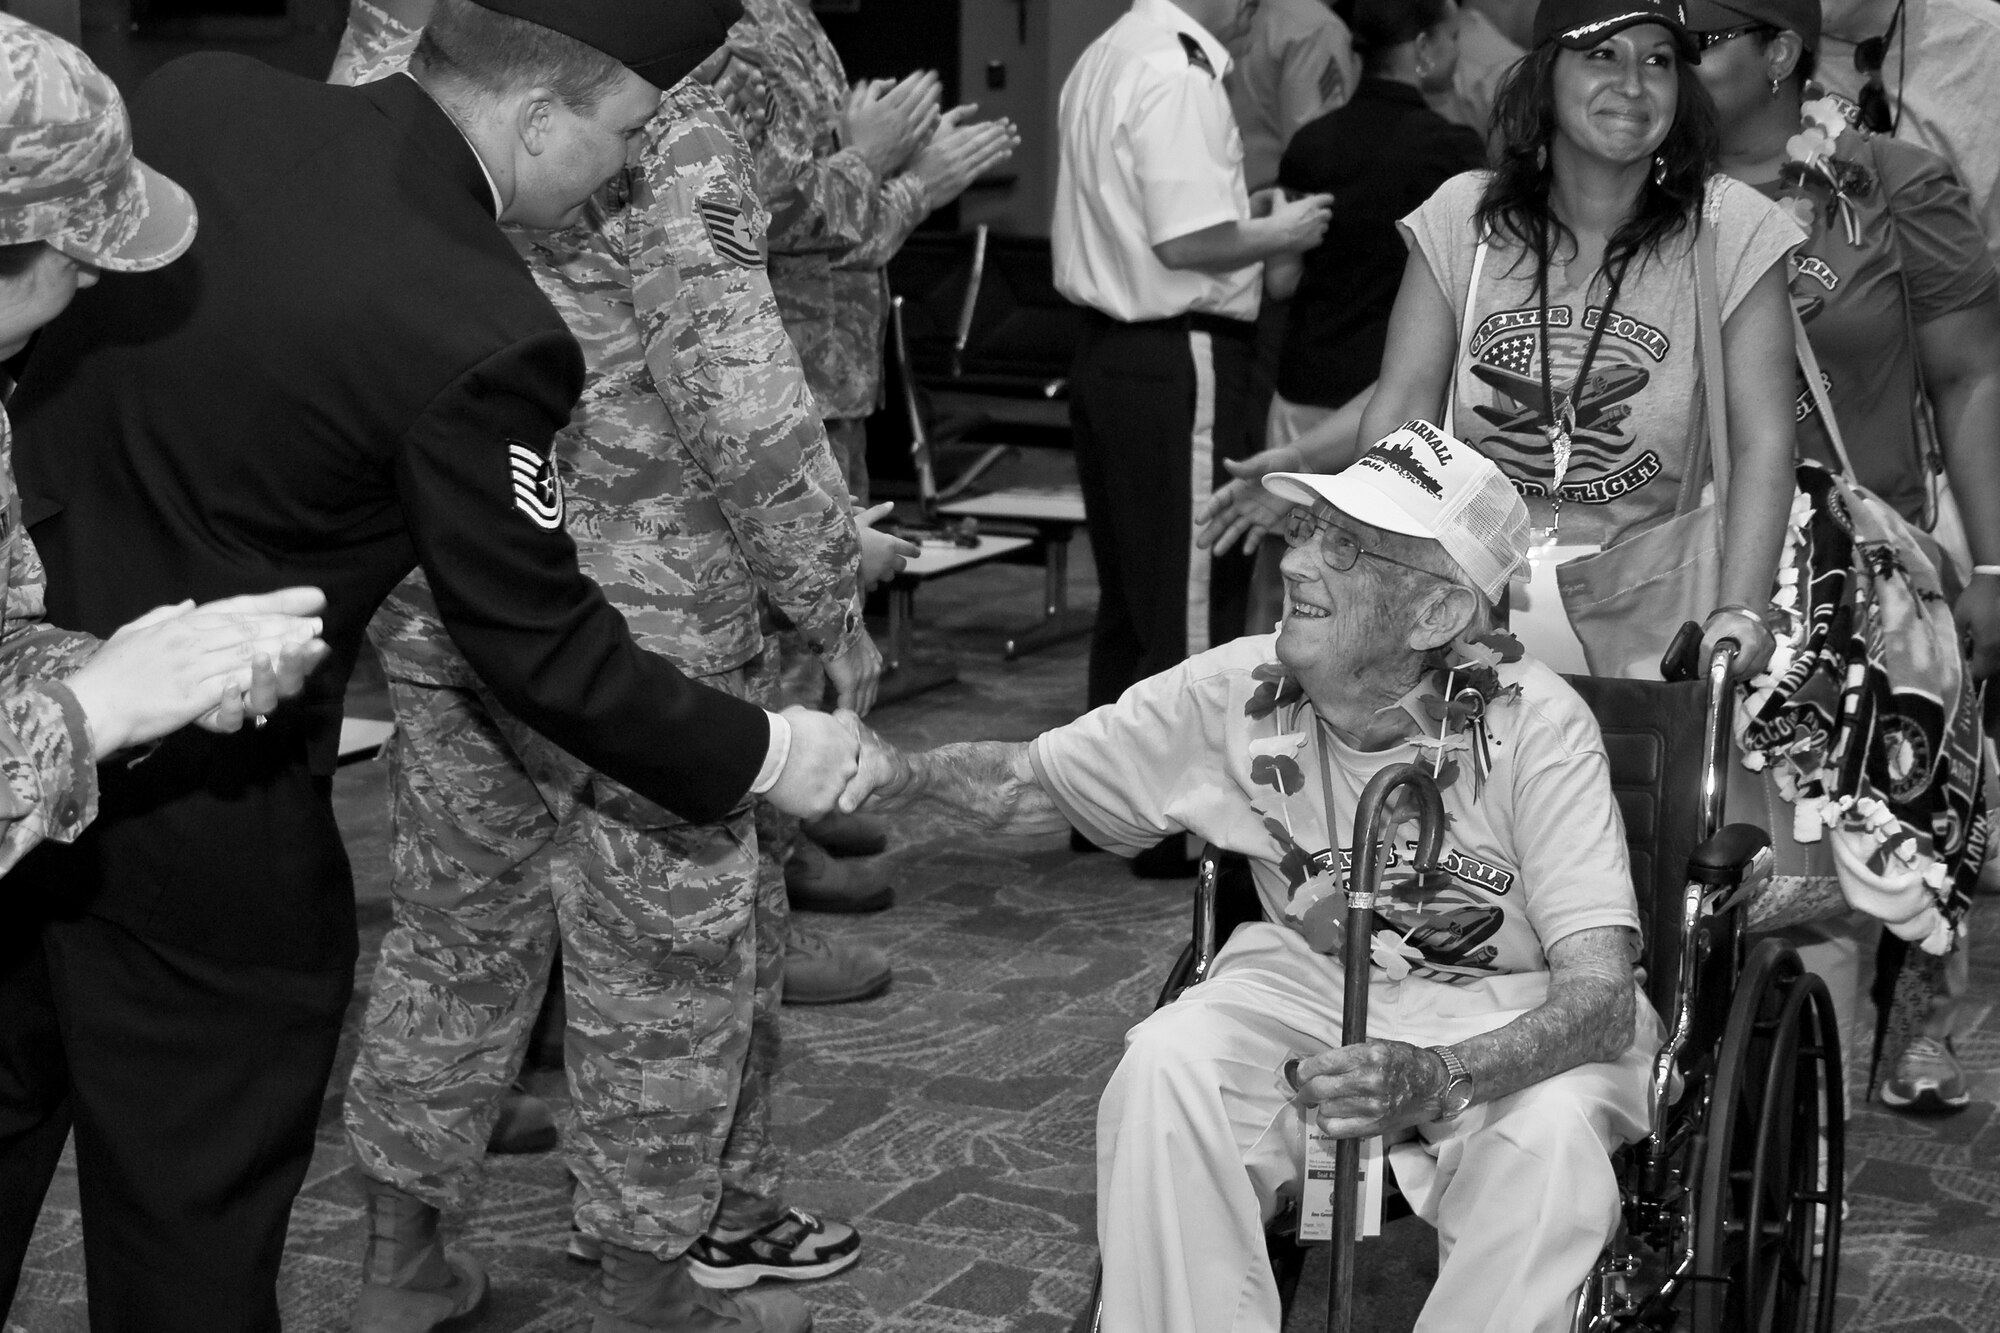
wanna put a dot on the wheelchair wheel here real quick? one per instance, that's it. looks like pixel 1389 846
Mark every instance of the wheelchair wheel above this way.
pixel 1767 1213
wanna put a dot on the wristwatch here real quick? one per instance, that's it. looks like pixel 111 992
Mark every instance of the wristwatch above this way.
pixel 1457 1093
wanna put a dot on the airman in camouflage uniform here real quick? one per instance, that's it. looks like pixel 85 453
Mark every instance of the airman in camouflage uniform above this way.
pixel 834 222
pixel 696 475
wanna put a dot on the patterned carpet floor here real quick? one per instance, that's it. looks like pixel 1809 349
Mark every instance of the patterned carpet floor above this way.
pixel 952 1119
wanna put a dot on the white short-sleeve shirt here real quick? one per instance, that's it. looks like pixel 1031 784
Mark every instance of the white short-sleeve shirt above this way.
pixel 1150 151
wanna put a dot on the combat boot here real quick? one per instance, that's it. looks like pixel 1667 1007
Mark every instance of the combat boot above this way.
pixel 638 1293
pixel 409 1284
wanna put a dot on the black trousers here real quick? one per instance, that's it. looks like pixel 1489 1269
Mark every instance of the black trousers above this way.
pixel 194 1086
pixel 1155 408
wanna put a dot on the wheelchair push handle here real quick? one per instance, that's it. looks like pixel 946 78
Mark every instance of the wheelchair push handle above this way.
pixel 1682 662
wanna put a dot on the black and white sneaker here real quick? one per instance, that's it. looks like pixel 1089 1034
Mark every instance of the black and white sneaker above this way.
pixel 796 1248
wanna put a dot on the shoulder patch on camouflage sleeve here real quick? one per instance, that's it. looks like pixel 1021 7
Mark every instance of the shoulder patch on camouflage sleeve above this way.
pixel 1197 55
pixel 730 229
pixel 538 490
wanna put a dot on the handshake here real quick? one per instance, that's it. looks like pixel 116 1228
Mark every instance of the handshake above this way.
pixel 836 763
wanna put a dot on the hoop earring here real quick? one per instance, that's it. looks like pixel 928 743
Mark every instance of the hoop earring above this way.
pixel 1659 170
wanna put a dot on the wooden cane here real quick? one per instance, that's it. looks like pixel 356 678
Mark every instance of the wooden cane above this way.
pixel 1370 853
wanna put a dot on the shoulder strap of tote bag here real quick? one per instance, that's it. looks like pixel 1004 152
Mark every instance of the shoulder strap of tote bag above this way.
pixel 1809 365
pixel 1450 422
pixel 1711 448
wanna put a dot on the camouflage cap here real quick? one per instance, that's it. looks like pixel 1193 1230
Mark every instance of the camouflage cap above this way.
pixel 67 174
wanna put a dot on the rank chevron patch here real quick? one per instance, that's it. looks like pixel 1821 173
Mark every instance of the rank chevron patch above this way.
pixel 729 227
pixel 538 491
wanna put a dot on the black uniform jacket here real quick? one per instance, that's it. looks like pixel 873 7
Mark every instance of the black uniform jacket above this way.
pixel 349 373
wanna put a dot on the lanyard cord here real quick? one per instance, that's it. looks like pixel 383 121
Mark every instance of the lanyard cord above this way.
pixel 1562 415
pixel 1617 280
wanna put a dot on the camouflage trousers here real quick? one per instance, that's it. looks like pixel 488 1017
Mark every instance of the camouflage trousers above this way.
pixel 673 957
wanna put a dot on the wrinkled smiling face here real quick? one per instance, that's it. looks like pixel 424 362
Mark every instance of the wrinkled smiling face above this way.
pixel 1341 624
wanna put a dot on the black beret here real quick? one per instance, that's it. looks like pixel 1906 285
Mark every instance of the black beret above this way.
pixel 659 40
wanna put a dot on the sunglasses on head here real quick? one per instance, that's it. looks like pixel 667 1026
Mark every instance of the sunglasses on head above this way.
pixel 1876 115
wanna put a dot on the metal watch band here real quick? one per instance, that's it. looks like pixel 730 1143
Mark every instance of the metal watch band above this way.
pixel 1458 1087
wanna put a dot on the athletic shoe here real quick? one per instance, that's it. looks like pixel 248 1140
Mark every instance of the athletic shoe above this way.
pixel 638 1293
pixel 1928 1080
pixel 796 1248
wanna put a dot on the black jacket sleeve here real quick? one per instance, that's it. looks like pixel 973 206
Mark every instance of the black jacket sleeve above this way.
pixel 484 510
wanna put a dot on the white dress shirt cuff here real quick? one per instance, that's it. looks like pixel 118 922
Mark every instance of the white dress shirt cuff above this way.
pixel 776 753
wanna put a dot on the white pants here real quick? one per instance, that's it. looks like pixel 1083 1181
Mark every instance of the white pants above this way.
pixel 1197 1136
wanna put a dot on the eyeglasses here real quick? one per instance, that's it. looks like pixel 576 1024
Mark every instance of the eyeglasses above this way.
pixel 1876 116
pixel 1704 40
pixel 1338 547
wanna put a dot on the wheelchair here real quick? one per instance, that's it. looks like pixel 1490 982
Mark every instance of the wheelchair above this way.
pixel 1730 1207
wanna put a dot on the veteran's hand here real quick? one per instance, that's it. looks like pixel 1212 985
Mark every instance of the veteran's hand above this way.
pixel 1977 612
pixel 880 766
pixel 1375 1087
pixel 177 663
pixel 824 755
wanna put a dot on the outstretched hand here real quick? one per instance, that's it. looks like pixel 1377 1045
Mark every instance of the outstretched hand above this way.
pixel 880 766
pixel 822 761
pixel 1242 510
pixel 219 663
pixel 1373 1087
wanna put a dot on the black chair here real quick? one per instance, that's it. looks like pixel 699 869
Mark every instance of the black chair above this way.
pixel 1731 1218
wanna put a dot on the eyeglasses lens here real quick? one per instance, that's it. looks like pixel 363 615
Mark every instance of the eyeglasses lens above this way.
pixel 1337 546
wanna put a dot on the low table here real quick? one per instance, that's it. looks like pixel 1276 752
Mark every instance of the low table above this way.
pixel 903 672
pixel 1054 512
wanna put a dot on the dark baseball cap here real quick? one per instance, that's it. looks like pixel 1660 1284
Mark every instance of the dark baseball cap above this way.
pixel 1582 24
pixel 1799 16
pixel 659 40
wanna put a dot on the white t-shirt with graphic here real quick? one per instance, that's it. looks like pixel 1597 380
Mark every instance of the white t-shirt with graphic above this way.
pixel 1220 747
pixel 1638 412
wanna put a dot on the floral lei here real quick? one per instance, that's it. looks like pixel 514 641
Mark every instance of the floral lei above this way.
pixel 1448 702
pixel 1812 160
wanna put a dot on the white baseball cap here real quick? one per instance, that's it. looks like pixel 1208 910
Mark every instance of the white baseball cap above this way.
pixel 1422 483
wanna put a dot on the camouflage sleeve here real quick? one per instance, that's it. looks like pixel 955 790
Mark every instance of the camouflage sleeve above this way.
pixel 377 41
pixel 822 198
pixel 726 369
pixel 48 782
pixel 30 647
pixel 899 209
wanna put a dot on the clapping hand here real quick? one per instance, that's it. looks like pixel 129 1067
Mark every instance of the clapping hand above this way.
pixel 886 122
pixel 739 81
pixel 960 153
pixel 220 664
pixel 1242 510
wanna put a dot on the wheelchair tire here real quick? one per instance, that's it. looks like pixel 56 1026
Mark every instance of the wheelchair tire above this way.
pixel 1762 1209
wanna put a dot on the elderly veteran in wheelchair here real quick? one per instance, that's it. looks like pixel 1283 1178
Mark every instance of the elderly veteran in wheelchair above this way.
pixel 1510 1043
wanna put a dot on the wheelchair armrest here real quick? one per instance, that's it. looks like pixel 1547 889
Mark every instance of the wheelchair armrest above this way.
pixel 1730 856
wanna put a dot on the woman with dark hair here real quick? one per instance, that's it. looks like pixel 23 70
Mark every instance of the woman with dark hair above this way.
pixel 1900 306
pixel 1550 307
pixel 1379 156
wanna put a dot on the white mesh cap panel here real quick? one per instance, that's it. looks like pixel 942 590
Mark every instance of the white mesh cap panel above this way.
pixel 1485 529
